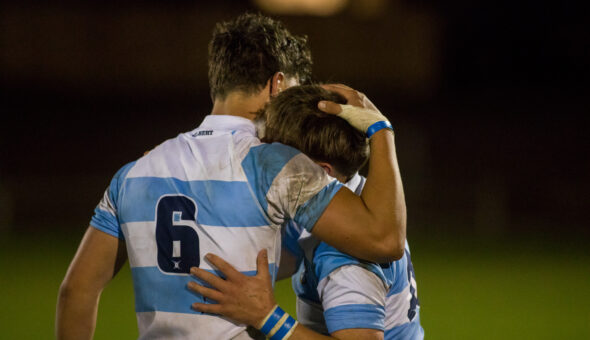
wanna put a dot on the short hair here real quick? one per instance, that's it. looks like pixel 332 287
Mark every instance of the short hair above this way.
pixel 293 118
pixel 246 52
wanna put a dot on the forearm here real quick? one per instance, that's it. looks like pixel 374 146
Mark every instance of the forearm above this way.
pixel 302 333
pixel 383 194
pixel 76 314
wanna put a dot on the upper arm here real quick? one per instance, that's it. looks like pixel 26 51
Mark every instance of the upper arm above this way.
pixel 98 259
pixel 346 225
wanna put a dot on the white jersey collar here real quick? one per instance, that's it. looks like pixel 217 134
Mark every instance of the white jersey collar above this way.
pixel 354 182
pixel 228 123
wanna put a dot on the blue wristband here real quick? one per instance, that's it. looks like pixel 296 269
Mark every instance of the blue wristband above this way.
pixel 378 126
pixel 283 332
pixel 272 320
pixel 278 325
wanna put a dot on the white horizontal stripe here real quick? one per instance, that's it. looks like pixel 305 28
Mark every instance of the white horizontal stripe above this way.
pixel 397 307
pixel 351 285
pixel 192 159
pixel 311 315
pixel 106 204
pixel 237 245
pixel 164 325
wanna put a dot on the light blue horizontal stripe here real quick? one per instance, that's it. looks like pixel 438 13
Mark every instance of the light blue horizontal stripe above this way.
pixel 156 291
pixel 106 222
pixel 399 270
pixel 355 316
pixel 407 331
pixel 309 213
pixel 327 259
pixel 219 203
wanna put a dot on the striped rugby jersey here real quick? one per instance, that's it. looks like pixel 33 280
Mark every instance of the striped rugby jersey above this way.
pixel 336 291
pixel 216 189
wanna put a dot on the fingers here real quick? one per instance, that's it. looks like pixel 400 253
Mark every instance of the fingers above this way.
pixel 352 96
pixel 212 279
pixel 262 264
pixel 329 107
pixel 227 269
pixel 210 308
pixel 204 291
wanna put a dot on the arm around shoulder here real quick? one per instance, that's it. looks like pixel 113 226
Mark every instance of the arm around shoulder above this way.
pixel 371 226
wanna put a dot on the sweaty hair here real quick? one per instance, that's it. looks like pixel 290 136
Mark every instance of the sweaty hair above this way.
pixel 246 52
pixel 293 118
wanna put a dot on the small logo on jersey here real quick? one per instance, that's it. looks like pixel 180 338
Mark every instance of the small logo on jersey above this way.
pixel 203 133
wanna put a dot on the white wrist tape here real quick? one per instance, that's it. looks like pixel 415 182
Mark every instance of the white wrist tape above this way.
pixel 361 119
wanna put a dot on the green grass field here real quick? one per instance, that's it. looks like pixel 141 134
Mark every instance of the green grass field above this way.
pixel 468 289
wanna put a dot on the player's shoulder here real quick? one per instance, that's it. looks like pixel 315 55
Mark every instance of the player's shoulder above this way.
pixel 269 160
pixel 272 155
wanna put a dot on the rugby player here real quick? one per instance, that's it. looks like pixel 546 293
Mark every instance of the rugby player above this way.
pixel 219 189
pixel 336 294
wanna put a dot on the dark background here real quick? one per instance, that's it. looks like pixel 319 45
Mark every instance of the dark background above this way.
pixel 488 100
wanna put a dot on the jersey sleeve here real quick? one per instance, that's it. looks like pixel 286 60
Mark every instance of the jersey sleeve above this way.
pixel 105 214
pixel 353 297
pixel 289 185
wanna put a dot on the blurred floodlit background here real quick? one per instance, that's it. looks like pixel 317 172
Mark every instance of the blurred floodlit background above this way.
pixel 487 99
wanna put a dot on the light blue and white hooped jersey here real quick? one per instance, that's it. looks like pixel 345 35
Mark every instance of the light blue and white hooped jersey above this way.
pixel 216 189
pixel 336 291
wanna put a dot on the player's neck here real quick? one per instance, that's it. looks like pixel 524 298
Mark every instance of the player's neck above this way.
pixel 240 104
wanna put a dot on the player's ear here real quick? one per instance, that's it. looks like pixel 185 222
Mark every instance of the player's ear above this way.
pixel 327 168
pixel 277 83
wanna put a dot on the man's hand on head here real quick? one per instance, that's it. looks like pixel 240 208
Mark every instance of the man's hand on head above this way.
pixel 359 111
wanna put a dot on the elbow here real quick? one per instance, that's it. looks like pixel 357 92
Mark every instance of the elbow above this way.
pixel 390 251
pixel 66 290
pixel 391 246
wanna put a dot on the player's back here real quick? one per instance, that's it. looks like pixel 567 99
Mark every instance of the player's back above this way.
pixel 216 189
pixel 186 198
pixel 193 199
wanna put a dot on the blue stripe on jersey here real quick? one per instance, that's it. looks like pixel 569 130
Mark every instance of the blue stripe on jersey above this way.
pixel 141 195
pixel 263 163
pixel 156 291
pixel 399 274
pixel 308 214
pixel 354 316
pixel 104 220
pixel 408 331
pixel 107 223
pixel 327 259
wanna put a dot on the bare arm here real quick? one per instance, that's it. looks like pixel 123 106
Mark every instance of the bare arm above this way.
pixel 249 299
pixel 98 259
pixel 372 226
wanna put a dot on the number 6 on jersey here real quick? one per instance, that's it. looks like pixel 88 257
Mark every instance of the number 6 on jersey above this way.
pixel 176 237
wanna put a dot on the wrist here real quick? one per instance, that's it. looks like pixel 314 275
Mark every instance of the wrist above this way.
pixel 378 126
pixel 277 325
